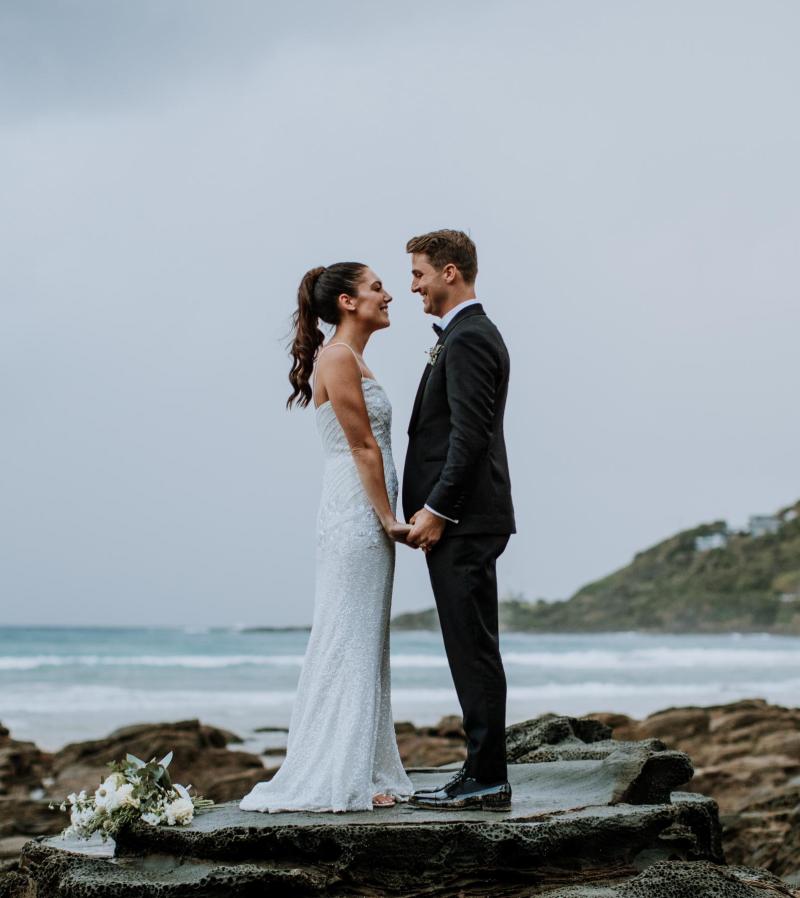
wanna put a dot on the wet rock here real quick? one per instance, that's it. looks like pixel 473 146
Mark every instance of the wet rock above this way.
pixel 27 816
pixel 200 757
pixel 30 779
pixel 524 739
pixel 419 747
pixel 23 771
pixel 697 879
pixel 560 824
pixel 651 772
pixel 591 817
pixel 11 846
pixel 747 757
pixel 22 765
pixel 591 813
pixel 766 833
pixel 13 884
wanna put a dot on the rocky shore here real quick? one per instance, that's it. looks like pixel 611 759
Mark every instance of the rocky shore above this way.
pixel 746 757
pixel 602 803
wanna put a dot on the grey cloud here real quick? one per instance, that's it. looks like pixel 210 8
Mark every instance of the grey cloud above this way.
pixel 627 170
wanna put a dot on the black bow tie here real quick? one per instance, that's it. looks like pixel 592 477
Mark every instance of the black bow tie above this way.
pixel 439 330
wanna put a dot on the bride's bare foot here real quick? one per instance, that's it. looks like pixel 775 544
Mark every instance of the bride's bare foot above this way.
pixel 382 800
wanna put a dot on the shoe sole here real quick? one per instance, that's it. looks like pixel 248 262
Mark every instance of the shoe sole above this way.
pixel 482 806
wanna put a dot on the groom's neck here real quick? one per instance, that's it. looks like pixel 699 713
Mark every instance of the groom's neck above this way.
pixel 467 291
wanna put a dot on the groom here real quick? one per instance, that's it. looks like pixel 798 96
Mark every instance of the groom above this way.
pixel 457 496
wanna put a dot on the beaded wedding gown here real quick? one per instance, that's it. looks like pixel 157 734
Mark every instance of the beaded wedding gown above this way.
pixel 341 747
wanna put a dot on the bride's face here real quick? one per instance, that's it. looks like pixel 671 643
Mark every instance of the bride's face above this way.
pixel 372 301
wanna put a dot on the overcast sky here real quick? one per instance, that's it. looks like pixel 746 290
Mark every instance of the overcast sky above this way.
pixel 169 170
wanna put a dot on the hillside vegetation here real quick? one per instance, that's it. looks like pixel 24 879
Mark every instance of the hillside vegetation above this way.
pixel 751 584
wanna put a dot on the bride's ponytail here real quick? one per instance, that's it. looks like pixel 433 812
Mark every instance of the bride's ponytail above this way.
pixel 307 339
pixel 317 299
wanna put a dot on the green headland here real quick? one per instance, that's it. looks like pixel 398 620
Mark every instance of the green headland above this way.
pixel 709 579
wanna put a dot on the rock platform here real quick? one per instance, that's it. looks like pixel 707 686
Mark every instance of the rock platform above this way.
pixel 600 819
pixel 591 817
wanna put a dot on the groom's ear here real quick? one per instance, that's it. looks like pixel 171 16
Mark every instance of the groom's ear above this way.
pixel 449 272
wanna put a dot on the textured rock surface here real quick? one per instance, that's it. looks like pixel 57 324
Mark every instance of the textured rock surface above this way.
pixel 564 821
pixel 433 746
pixel 685 880
pixel 652 772
pixel 23 773
pixel 22 766
pixel 596 816
pixel 524 740
pixel 747 757
pixel 30 778
pixel 200 757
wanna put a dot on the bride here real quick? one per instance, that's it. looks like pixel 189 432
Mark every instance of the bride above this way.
pixel 341 752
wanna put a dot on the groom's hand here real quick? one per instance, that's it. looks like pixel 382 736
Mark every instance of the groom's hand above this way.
pixel 426 530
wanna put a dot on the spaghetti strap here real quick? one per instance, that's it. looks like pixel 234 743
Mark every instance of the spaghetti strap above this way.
pixel 337 343
pixel 314 372
pixel 341 343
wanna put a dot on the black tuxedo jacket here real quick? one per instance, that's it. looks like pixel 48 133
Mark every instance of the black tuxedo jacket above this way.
pixel 456 460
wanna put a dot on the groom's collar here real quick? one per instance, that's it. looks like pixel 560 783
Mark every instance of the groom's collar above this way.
pixel 456 310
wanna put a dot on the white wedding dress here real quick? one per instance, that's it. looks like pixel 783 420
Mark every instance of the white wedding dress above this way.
pixel 341 747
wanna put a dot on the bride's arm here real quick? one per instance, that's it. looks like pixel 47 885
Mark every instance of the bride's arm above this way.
pixel 342 378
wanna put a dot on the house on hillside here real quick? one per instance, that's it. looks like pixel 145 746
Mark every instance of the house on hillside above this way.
pixel 762 524
pixel 712 541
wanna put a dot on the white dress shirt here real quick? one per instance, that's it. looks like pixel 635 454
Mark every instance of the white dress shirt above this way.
pixel 449 316
pixel 446 319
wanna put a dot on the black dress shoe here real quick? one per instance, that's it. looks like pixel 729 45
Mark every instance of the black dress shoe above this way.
pixel 466 794
pixel 448 785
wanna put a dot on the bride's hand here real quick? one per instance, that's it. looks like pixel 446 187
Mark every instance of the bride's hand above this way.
pixel 397 531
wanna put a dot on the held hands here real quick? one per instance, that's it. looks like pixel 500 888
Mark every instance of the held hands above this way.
pixel 397 531
pixel 426 530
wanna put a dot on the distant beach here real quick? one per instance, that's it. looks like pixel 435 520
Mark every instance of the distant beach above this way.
pixel 65 684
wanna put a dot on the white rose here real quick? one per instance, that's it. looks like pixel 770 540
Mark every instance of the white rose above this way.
pixel 152 819
pixel 124 796
pixel 181 810
pixel 105 796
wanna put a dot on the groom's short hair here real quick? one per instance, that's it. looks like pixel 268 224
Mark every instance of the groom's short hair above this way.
pixel 445 247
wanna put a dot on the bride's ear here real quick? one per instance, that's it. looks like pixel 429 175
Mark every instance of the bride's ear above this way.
pixel 347 303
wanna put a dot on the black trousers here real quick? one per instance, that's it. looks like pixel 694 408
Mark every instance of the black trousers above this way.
pixel 464 581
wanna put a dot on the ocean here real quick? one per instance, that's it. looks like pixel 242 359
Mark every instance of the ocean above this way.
pixel 66 684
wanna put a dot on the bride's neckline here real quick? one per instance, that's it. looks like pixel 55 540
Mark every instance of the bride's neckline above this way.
pixel 328 402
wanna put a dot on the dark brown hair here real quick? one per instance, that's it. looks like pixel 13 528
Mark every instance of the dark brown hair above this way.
pixel 317 299
pixel 445 247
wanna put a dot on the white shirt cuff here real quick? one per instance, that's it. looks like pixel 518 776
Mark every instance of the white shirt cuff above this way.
pixel 439 515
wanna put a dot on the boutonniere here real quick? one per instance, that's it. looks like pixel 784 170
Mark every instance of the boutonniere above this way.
pixel 433 353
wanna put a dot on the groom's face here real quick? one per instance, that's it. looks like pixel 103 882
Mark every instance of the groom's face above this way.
pixel 429 283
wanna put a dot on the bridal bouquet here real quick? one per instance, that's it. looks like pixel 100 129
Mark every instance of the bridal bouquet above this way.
pixel 133 790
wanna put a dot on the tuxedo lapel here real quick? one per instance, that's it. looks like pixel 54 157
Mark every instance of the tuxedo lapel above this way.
pixel 461 317
pixel 421 389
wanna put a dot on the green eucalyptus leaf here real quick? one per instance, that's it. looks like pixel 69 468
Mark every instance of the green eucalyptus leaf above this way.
pixel 164 762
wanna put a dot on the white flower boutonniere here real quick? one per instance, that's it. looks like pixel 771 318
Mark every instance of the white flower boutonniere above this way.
pixel 433 353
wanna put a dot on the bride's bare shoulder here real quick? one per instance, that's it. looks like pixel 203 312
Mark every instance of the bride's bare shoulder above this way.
pixel 338 360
